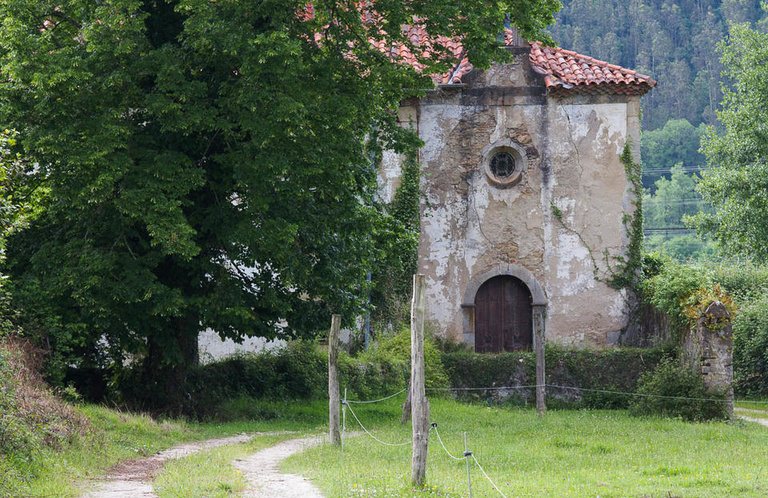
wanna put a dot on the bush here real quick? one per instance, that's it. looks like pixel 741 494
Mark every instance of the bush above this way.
pixel 671 288
pixel 395 350
pixel 300 371
pixel 750 349
pixel 684 291
pixel 31 417
pixel 673 390
pixel 743 280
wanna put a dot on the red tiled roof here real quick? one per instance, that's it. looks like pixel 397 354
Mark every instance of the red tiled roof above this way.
pixel 419 38
pixel 564 71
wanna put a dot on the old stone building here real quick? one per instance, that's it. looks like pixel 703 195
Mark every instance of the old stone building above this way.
pixel 525 197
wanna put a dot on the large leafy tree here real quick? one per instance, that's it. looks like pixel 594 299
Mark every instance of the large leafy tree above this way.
pixel 15 208
pixel 208 164
pixel 736 182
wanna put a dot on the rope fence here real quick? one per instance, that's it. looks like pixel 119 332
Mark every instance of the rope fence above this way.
pixel 641 395
pixel 369 432
pixel 469 456
pixel 495 388
pixel 367 402
pixel 434 428
pixel 486 476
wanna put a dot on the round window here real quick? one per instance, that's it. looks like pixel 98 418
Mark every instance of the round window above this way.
pixel 504 164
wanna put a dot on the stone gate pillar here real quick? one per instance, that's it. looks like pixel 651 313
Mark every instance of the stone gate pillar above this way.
pixel 709 350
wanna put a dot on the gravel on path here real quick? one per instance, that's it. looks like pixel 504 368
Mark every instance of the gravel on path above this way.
pixel 264 477
pixel 133 478
pixel 760 421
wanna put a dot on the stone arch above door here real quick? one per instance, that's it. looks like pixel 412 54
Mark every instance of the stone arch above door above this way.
pixel 537 292
pixel 538 298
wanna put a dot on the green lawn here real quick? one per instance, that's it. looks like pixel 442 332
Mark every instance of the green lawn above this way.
pixel 761 405
pixel 565 453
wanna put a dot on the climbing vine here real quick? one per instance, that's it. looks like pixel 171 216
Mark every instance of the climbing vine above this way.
pixel 398 249
pixel 629 270
pixel 558 214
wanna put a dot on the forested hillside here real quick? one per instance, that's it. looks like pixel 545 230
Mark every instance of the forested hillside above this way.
pixel 676 42
pixel 673 40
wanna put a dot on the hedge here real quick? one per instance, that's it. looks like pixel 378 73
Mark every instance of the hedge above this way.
pixel 600 370
pixel 299 371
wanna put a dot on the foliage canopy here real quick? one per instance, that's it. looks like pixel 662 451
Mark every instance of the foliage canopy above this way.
pixel 208 164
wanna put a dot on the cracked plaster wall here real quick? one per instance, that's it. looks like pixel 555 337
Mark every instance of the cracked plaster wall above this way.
pixel 470 226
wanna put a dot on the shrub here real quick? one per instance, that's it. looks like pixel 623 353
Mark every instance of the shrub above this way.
pixel 297 371
pixel 673 390
pixel 743 280
pixel 750 349
pixel 31 417
pixel 395 350
pixel 671 289
pixel 300 371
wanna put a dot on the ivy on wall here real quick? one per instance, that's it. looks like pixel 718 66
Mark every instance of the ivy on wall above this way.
pixel 628 272
pixel 398 246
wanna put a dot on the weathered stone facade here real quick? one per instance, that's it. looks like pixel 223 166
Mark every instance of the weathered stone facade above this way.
pixel 558 229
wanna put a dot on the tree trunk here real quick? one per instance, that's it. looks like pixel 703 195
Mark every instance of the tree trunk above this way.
pixel 167 366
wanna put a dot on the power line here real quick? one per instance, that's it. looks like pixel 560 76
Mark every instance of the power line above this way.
pixel 668 229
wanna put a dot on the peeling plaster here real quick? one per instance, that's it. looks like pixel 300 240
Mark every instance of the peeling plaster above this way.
pixel 574 265
pixel 470 226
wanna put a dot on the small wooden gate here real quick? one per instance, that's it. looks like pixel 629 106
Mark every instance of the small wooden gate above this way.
pixel 503 316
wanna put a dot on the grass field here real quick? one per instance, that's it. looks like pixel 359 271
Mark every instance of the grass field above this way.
pixel 565 453
pixel 760 405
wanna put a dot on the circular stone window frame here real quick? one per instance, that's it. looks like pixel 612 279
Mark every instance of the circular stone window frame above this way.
pixel 517 152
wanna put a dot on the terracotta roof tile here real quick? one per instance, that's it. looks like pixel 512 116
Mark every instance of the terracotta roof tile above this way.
pixel 564 71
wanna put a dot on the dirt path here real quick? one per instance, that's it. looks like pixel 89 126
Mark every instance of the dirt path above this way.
pixel 264 478
pixel 133 478
pixel 743 413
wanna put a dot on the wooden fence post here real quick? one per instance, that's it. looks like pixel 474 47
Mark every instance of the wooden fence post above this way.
pixel 419 403
pixel 333 381
pixel 538 345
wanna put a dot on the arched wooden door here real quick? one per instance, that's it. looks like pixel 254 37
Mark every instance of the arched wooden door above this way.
pixel 503 316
